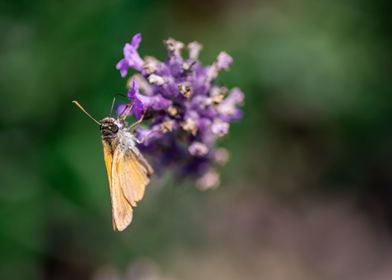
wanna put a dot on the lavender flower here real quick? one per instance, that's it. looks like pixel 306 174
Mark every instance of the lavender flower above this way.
pixel 186 111
pixel 131 56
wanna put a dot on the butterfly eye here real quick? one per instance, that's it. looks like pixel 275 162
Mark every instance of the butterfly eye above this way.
pixel 114 128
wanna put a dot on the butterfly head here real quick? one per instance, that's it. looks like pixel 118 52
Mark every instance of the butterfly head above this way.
pixel 109 127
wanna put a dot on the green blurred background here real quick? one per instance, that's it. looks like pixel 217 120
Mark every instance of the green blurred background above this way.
pixel 306 194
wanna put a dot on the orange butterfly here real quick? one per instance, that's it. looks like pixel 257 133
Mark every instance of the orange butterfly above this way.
pixel 127 169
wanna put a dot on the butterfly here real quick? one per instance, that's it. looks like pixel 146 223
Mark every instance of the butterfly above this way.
pixel 128 171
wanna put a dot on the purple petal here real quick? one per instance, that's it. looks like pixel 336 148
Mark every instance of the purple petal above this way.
pixel 136 39
pixel 133 90
pixel 137 104
pixel 194 50
pixel 224 61
pixel 203 124
pixel 131 58
pixel 123 66
pixel 137 109
pixel 220 128
pixel 156 103
pixel 148 135
pixel 236 96
pixel 235 115
pixel 198 149
pixel 174 48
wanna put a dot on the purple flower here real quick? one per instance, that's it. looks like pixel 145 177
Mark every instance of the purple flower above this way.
pixel 228 108
pixel 220 128
pixel 194 50
pixel 185 111
pixel 198 149
pixel 224 61
pixel 135 106
pixel 131 58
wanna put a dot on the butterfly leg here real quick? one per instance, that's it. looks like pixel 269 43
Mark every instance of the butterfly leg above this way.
pixel 124 113
pixel 136 124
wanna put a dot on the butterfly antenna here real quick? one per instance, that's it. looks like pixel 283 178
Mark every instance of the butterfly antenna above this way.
pixel 84 111
pixel 111 109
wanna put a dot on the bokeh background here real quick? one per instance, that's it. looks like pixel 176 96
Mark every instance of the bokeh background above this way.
pixel 306 194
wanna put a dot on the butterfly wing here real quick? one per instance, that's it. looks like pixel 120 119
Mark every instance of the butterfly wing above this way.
pixel 108 157
pixel 129 178
pixel 120 208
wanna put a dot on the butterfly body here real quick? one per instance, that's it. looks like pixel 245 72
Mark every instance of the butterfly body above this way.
pixel 115 133
pixel 128 171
